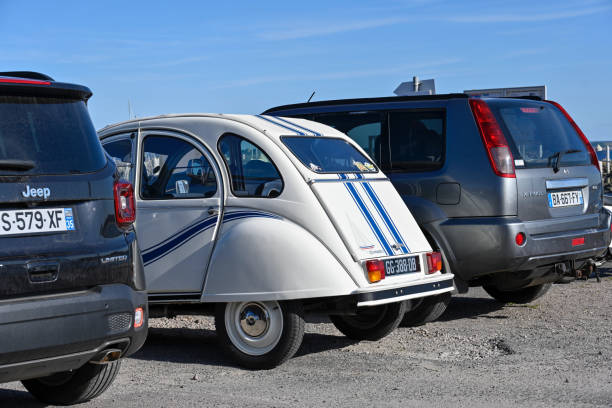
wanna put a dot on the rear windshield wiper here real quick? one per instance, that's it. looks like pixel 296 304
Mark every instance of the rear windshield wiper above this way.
pixel 557 157
pixel 18 165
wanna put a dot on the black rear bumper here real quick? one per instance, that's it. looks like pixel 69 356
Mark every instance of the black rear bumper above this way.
pixel 46 334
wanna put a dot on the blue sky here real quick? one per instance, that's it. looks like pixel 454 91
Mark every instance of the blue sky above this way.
pixel 246 56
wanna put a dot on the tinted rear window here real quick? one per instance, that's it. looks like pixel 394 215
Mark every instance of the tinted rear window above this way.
pixel 329 155
pixel 54 133
pixel 536 132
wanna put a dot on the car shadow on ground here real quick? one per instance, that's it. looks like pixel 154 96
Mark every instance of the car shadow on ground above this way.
pixel 17 398
pixel 183 345
pixel 471 308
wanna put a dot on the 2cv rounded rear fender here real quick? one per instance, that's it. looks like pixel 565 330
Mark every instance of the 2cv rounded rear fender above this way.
pixel 266 257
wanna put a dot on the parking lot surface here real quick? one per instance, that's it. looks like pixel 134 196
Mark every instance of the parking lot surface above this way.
pixel 556 351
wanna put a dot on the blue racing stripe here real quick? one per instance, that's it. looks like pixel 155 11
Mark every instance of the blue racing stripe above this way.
pixel 169 245
pixel 366 213
pixel 281 125
pixel 382 211
pixel 161 250
pixel 298 126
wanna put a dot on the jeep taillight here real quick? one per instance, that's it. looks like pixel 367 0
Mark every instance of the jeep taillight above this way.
pixel 493 139
pixel 587 144
pixel 125 208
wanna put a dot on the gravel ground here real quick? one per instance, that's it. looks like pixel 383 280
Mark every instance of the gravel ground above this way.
pixel 556 351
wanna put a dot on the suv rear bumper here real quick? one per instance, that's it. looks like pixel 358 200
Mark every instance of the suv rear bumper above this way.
pixel 46 334
pixel 484 246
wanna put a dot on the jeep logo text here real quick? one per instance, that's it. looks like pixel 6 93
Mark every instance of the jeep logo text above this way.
pixel 43 192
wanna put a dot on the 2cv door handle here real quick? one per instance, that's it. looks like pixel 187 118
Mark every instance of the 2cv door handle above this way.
pixel 213 210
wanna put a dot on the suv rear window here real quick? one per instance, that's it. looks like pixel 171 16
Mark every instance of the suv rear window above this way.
pixel 328 155
pixel 537 132
pixel 55 134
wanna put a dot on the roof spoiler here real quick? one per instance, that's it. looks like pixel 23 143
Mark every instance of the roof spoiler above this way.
pixel 27 75
pixel 31 83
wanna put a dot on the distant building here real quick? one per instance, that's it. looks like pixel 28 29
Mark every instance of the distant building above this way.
pixel 539 91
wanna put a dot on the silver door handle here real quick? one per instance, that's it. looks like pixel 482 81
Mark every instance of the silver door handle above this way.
pixel 213 210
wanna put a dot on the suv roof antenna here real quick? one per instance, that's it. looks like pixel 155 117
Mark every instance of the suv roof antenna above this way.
pixel 311 95
pixel 130 113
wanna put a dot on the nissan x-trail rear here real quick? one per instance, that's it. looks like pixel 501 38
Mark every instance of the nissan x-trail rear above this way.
pixel 72 299
pixel 508 189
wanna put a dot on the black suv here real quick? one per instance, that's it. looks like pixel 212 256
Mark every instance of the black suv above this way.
pixel 508 189
pixel 72 289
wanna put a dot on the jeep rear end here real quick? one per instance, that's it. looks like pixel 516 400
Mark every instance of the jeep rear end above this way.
pixel 71 278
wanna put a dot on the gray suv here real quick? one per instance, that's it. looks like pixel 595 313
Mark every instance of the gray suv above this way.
pixel 508 189
pixel 72 288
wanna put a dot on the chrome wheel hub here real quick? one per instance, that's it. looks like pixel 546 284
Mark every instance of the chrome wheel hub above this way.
pixel 254 320
pixel 254 328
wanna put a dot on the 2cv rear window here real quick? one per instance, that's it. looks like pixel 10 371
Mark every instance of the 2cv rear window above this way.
pixel 328 155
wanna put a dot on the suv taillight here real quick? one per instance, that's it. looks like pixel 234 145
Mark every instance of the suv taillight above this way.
pixel 587 144
pixel 493 138
pixel 125 208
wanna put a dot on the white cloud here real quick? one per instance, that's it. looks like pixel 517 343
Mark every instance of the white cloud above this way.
pixel 329 28
pixel 526 17
pixel 338 75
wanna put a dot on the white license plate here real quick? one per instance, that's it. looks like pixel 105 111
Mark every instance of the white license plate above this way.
pixel 398 266
pixel 565 199
pixel 16 222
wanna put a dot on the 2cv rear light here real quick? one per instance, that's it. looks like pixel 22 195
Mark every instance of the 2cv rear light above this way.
pixel 434 262
pixel 125 208
pixel 376 270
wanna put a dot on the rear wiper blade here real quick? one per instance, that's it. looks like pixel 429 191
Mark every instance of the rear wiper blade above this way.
pixel 19 165
pixel 557 157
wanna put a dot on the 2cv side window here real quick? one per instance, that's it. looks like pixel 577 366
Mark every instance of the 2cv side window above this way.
pixel 252 172
pixel 172 168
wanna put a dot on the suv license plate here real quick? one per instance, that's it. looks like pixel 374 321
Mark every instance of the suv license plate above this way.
pixel 398 266
pixel 565 199
pixel 36 221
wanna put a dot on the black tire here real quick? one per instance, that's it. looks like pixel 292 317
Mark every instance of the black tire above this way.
pixel 73 387
pixel 427 311
pixel 370 323
pixel 525 295
pixel 287 345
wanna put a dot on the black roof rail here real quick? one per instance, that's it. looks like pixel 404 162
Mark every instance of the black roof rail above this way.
pixel 368 100
pixel 27 75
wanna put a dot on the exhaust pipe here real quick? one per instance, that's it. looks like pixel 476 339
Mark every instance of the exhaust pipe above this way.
pixel 106 356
